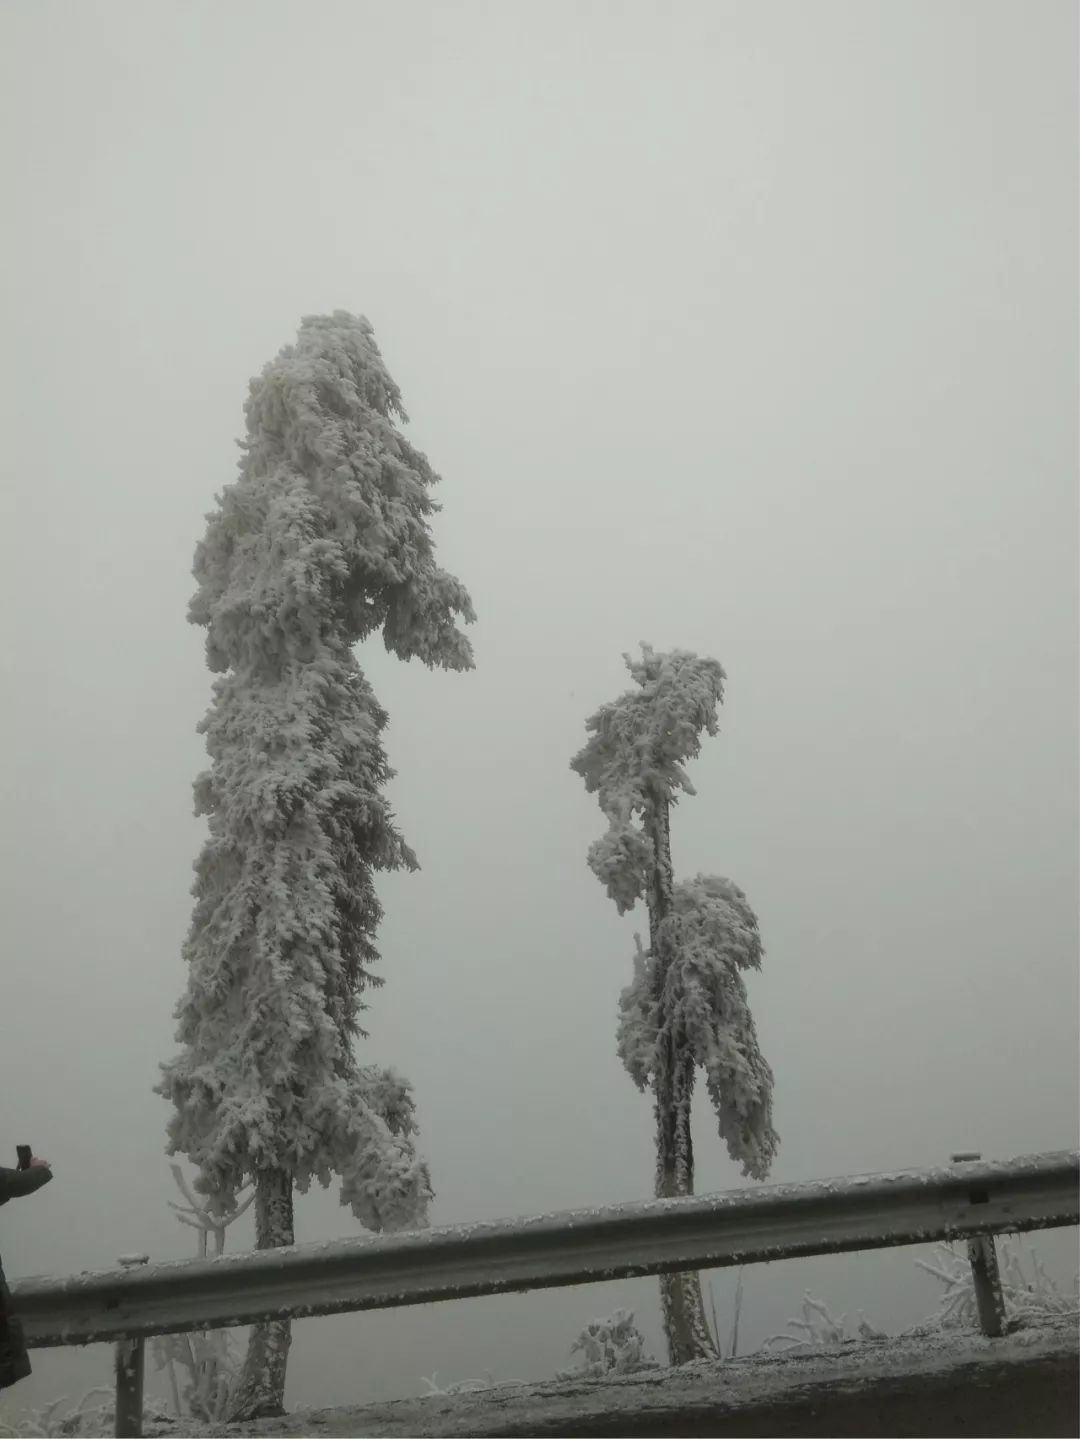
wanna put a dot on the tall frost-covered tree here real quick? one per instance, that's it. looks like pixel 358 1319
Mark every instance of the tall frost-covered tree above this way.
pixel 321 540
pixel 686 1007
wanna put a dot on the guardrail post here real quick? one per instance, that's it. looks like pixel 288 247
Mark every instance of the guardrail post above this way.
pixel 982 1253
pixel 985 1273
pixel 130 1359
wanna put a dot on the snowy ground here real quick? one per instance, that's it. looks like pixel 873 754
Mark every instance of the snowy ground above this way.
pixel 936 1383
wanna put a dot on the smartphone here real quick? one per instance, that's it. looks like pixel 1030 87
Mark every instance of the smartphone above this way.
pixel 24 1152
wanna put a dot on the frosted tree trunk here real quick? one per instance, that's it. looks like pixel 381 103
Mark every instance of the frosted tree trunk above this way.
pixel 261 1389
pixel 673 1087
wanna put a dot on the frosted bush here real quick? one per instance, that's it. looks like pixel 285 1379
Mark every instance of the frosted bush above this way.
pixel 456 1386
pixel 609 1346
pixel 84 1419
pixel 1029 1293
pixel 432 1387
pixel 819 1327
pixel 212 1368
pixel 208 1356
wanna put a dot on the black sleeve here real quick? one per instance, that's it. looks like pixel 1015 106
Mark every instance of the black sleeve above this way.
pixel 14 1183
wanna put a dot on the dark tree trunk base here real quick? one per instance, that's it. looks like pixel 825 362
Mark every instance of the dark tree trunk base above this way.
pixel 261 1391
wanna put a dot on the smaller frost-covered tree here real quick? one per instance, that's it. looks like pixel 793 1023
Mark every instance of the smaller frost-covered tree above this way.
pixel 686 1007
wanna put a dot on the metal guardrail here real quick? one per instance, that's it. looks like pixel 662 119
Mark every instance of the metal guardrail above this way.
pixel 969 1199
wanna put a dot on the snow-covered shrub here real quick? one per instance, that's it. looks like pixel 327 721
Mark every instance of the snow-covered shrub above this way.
pixel 609 1346
pixel 211 1367
pixel 818 1327
pixel 432 1387
pixel 84 1419
pixel 456 1386
pixel 1029 1295
pixel 209 1357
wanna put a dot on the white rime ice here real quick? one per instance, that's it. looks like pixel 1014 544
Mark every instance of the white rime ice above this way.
pixel 322 539
pixel 708 933
pixel 713 934
pixel 686 1007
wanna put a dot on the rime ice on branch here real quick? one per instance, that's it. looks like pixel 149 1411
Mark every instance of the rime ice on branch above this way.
pixel 712 935
pixel 686 1007
pixel 321 540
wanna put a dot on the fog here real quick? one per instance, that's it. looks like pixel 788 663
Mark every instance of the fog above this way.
pixel 747 328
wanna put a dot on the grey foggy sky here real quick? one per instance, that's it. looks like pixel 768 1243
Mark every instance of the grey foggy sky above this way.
pixel 743 327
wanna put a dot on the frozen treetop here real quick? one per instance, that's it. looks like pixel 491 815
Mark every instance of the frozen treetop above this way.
pixel 327 525
pixel 642 738
pixel 635 757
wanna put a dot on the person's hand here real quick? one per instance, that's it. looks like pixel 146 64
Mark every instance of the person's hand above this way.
pixel 36 1163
